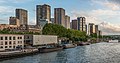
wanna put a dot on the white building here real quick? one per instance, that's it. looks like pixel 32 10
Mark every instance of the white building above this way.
pixel 40 39
pixel 11 41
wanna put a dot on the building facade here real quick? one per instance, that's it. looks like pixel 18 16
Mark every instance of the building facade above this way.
pixel 11 41
pixel 59 16
pixel 67 22
pixel 75 24
pixel 43 12
pixel 96 28
pixel 22 15
pixel 14 21
pixel 81 23
pixel 91 28
pixel 40 39
pixel 86 28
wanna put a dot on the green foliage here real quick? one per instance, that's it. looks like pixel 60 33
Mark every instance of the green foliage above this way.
pixel 4 31
pixel 60 31
pixel 54 29
pixel 94 35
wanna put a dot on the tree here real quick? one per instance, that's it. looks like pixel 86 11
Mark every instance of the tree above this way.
pixel 60 31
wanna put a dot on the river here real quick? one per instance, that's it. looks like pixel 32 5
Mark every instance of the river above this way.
pixel 94 53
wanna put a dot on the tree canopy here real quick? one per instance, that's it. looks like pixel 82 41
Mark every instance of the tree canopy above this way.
pixel 60 31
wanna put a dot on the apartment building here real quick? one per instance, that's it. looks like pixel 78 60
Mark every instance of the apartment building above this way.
pixel 11 41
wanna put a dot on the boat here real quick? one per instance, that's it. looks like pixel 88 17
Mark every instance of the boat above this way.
pixel 45 50
pixel 65 46
pixel 83 43
pixel 113 41
pixel 49 48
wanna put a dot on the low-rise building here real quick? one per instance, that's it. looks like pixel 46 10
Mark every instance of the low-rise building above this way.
pixel 40 39
pixel 11 41
pixel 34 28
pixel 16 28
pixel 14 21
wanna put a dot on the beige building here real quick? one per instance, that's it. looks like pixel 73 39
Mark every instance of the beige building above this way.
pixel 14 21
pixel 34 29
pixel 31 28
pixel 15 28
pixel 11 41
pixel 96 28
pixel 82 23
pixel 91 28
pixel 59 16
pixel 40 39
pixel 3 26
pixel 43 12
pixel 75 24
pixel 22 15
pixel 7 26
pixel 67 22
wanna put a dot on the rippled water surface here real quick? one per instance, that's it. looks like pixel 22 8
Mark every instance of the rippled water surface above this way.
pixel 95 53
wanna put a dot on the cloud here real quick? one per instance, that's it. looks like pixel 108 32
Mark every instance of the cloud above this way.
pixel 110 11
pixel 89 17
pixel 102 12
pixel 115 1
pixel 14 1
pixel 98 16
pixel 2 1
pixel 3 21
pixel 110 4
pixel 6 9
pixel 108 28
pixel 5 13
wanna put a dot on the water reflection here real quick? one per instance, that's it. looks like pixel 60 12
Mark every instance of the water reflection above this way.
pixel 95 53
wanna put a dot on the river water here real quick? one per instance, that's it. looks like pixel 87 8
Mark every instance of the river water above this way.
pixel 94 53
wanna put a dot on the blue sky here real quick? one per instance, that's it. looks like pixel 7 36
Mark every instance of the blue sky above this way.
pixel 105 13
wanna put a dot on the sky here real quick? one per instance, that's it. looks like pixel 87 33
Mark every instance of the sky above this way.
pixel 105 13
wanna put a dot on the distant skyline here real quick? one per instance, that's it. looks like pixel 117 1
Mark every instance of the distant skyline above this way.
pixel 105 13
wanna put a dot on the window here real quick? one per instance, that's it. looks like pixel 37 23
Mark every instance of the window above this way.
pixel 10 38
pixel 18 37
pixel 1 43
pixel 5 46
pixel 13 46
pixel 10 43
pixel 13 38
pixel 5 38
pixel 1 38
pixel 5 42
pixel 20 42
pixel 14 42
pixel 10 46
pixel 1 46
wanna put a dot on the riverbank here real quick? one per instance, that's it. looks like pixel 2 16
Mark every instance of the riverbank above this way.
pixel 95 53
pixel 27 52
pixel 17 54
